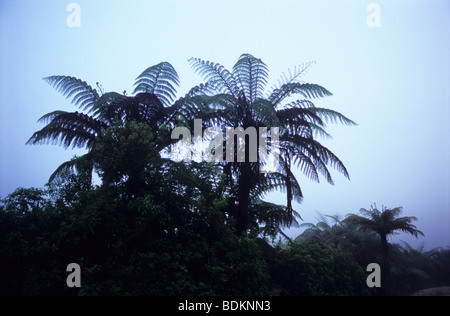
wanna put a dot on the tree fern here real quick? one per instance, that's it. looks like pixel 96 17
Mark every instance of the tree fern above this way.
pixel 384 223
pixel 151 104
pixel 236 98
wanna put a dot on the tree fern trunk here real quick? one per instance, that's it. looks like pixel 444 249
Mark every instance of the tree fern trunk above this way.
pixel 243 197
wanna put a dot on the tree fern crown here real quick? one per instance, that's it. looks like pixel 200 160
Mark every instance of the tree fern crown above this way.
pixel 239 98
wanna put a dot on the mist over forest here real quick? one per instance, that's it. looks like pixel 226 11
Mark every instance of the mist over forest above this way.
pixel 187 148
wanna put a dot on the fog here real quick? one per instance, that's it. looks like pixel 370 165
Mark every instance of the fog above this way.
pixel 388 66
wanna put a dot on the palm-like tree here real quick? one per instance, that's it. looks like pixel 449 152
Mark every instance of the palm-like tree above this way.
pixel 151 104
pixel 385 222
pixel 238 98
pixel 229 98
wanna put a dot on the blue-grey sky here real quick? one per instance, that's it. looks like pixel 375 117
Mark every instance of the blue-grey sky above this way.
pixel 393 80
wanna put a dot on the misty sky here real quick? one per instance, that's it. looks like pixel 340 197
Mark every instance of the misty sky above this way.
pixel 393 80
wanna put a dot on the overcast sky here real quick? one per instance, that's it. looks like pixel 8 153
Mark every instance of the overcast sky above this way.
pixel 388 66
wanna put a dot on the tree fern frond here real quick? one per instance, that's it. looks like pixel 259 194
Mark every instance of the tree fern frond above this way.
pixel 293 76
pixel 365 223
pixel 279 180
pixel 69 129
pixel 384 222
pixel 252 74
pixel 332 116
pixel 274 214
pixel 296 192
pixel 188 107
pixel 203 89
pixel 216 74
pixel 323 225
pixel 320 155
pixel 328 157
pixel 267 183
pixel 50 116
pixel 77 164
pixel 82 94
pixel 223 102
pixel 308 226
pixel 374 214
pixel 337 218
pixel 302 104
pixel 305 164
pixel 307 90
pixel 160 80
pixel 319 131
pixel 305 155
pixel 264 113
pixel 299 116
pixel 405 226
pixel 63 168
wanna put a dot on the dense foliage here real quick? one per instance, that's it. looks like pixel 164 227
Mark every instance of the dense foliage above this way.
pixel 176 239
pixel 153 226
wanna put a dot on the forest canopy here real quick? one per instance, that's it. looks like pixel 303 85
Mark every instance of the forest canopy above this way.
pixel 155 226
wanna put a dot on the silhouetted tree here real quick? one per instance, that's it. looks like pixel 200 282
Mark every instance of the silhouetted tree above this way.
pixel 151 105
pixel 237 98
pixel 384 223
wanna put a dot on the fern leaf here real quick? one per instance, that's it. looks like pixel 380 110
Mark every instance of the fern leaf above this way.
pixel 50 116
pixel 319 155
pixel 307 90
pixel 293 76
pixel 273 214
pixel 69 129
pixel 319 131
pixel 76 164
pixel 82 94
pixel 332 116
pixel 252 74
pixel 160 80
pixel 264 113
pixel 217 74
pixel 202 89
pixel 299 116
